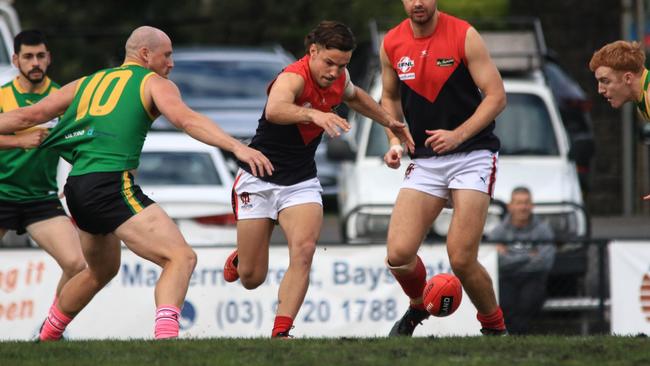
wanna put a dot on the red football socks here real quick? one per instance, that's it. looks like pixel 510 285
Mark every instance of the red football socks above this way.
pixel 413 283
pixel 54 325
pixel 167 322
pixel 492 321
pixel 282 324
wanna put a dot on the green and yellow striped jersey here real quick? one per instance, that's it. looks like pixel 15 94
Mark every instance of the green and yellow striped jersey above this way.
pixel 27 175
pixel 104 128
pixel 643 105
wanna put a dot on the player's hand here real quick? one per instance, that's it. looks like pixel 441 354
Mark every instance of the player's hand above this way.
pixel 393 156
pixel 400 130
pixel 260 165
pixel 331 123
pixel 442 141
pixel 646 198
pixel 32 139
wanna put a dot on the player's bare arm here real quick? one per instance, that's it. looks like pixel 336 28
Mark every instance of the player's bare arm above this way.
pixel 361 102
pixel 26 140
pixel 47 109
pixel 167 100
pixel 488 80
pixel 390 101
pixel 280 107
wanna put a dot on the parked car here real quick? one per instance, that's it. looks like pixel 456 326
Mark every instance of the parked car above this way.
pixel 520 50
pixel 229 85
pixel 192 183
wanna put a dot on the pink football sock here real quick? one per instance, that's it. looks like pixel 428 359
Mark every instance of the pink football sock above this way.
pixel 54 325
pixel 167 321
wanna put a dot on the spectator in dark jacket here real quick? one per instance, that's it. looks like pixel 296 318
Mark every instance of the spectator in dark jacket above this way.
pixel 526 256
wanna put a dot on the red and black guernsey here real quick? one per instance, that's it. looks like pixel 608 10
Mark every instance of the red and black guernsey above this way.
pixel 291 148
pixel 436 87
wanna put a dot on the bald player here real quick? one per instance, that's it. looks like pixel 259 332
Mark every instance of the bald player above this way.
pixel 106 116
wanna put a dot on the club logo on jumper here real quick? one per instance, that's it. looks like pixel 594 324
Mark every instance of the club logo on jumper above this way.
pixel 188 316
pixel 445 62
pixel 409 170
pixel 245 199
pixel 404 65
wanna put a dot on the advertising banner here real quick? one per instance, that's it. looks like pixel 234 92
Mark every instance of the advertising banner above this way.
pixel 630 287
pixel 351 294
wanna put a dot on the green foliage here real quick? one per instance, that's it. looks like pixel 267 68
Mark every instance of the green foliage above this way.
pixel 85 36
pixel 475 8
pixel 484 351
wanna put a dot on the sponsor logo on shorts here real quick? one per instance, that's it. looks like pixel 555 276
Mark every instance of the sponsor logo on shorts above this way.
pixel 245 199
pixel 409 170
pixel 445 62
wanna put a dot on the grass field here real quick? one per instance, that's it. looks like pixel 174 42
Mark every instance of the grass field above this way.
pixel 484 351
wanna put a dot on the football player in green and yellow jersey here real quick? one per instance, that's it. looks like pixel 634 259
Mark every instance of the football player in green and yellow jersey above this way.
pixel 28 190
pixel 106 116
pixel 619 68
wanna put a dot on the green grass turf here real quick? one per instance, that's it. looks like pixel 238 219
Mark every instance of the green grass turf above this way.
pixel 484 351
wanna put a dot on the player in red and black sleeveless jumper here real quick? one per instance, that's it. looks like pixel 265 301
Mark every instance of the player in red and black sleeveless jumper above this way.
pixel 438 75
pixel 299 109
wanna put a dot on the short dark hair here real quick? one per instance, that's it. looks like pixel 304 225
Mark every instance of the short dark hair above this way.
pixel 30 37
pixel 521 189
pixel 331 34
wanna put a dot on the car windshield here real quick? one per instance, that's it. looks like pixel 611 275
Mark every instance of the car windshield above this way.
pixel 177 168
pixel 524 128
pixel 206 79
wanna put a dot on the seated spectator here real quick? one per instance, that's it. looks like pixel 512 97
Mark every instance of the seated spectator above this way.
pixel 526 255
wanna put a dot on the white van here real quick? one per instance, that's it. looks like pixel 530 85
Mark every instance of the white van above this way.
pixel 534 153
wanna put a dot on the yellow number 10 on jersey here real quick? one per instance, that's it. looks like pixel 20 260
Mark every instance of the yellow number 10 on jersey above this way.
pixel 95 90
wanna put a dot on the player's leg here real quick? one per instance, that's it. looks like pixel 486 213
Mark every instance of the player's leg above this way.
pixel 102 255
pixel 301 225
pixel 59 238
pixel 463 238
pixel 254 205
pixel 151 234
pixel 412 216
pixel 252 257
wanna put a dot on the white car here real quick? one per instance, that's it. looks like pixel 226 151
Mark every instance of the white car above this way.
pixel 191 182
pixel 534 153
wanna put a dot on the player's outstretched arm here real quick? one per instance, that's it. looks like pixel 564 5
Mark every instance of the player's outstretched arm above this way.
pixel 361 102
pixel 167 99
pixel 281 107
pixel 48 108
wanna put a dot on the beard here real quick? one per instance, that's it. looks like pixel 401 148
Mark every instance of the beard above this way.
pixel 31 75
pixel 422 18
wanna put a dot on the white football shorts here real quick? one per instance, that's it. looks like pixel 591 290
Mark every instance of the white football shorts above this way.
pixel 436 175
pixel 253 198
